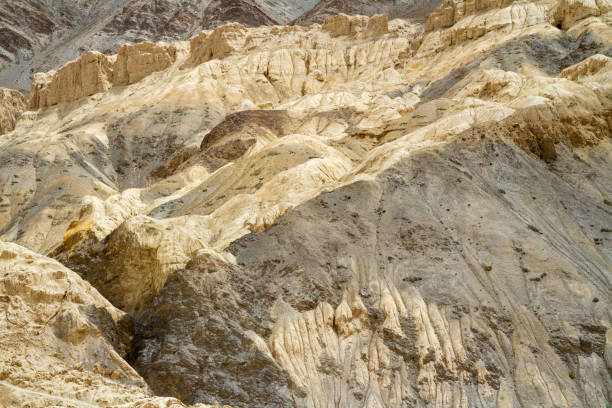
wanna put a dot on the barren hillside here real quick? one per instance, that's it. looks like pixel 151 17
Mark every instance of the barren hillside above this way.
pixel 359 213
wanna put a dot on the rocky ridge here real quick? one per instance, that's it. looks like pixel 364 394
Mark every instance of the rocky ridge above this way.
pixel 41 35
pixel 344 214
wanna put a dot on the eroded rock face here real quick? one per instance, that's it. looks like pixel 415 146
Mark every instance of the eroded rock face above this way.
pixel 90 74
pixel 457 21
pixel 355 307
pixel 95 73
pixel 219 44
pixel 75 339
pixel 131 265
pixel 358 213
pixel 452 11
pixel 12 104
pixel 251 377
pixel 570 11
pixel 134 62
pixel 597 64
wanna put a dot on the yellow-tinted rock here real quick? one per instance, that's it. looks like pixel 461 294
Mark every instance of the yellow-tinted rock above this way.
pixel 597 64
pixel 222 42
pixel 87 75
pixel 135 62
pixel 342 24
pixel 12 103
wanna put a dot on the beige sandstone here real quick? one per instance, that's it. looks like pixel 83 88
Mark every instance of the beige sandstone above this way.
pixel 219 44
pixel 87 75
pixel 342 24
pixel 458 20
pixel 59 336
pixel 338 215
pixel 135 62
pixel 595 65
pixel 568 12
pixel 12 104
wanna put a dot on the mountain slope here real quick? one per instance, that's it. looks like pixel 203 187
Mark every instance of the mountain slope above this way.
pixel 358 213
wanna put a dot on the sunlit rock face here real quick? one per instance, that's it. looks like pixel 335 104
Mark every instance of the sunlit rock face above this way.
pixel 12 104
pixel 367 211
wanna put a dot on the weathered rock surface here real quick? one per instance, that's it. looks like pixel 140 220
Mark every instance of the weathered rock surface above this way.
pixel 396 299
pixel 62 344
pixel 595 65
pixel 459 20
pixel 343 24
pixel 87 75
pixel 12 104
pixel 96 73
pixel 413 9
pixel 59 336
pixel 135 62
pixel 358 213
pixel 218 44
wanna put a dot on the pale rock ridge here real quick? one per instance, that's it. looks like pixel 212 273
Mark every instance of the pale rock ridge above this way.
pixel 343 24
pixel 87 75
pixel 594 65
pixel 479 186
pixel 284 72
pixel 150 250
pixel 75 337
pixel 12 104
pixel 459 20
pixel 95 73
pixel 452 11
pixel 445 30
pixel 134 62
pixel 568 12
pixel 146 250
pixel 222 42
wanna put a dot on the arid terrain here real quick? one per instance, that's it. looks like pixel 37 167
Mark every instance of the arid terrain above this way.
pixel 282 204
pixel 40 35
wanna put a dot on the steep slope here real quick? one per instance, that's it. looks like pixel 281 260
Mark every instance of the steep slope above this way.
pixel 62 344
pixel 358 213
pixel 12 104
pixel 392 291
pixel 39 35
pixel 59 336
